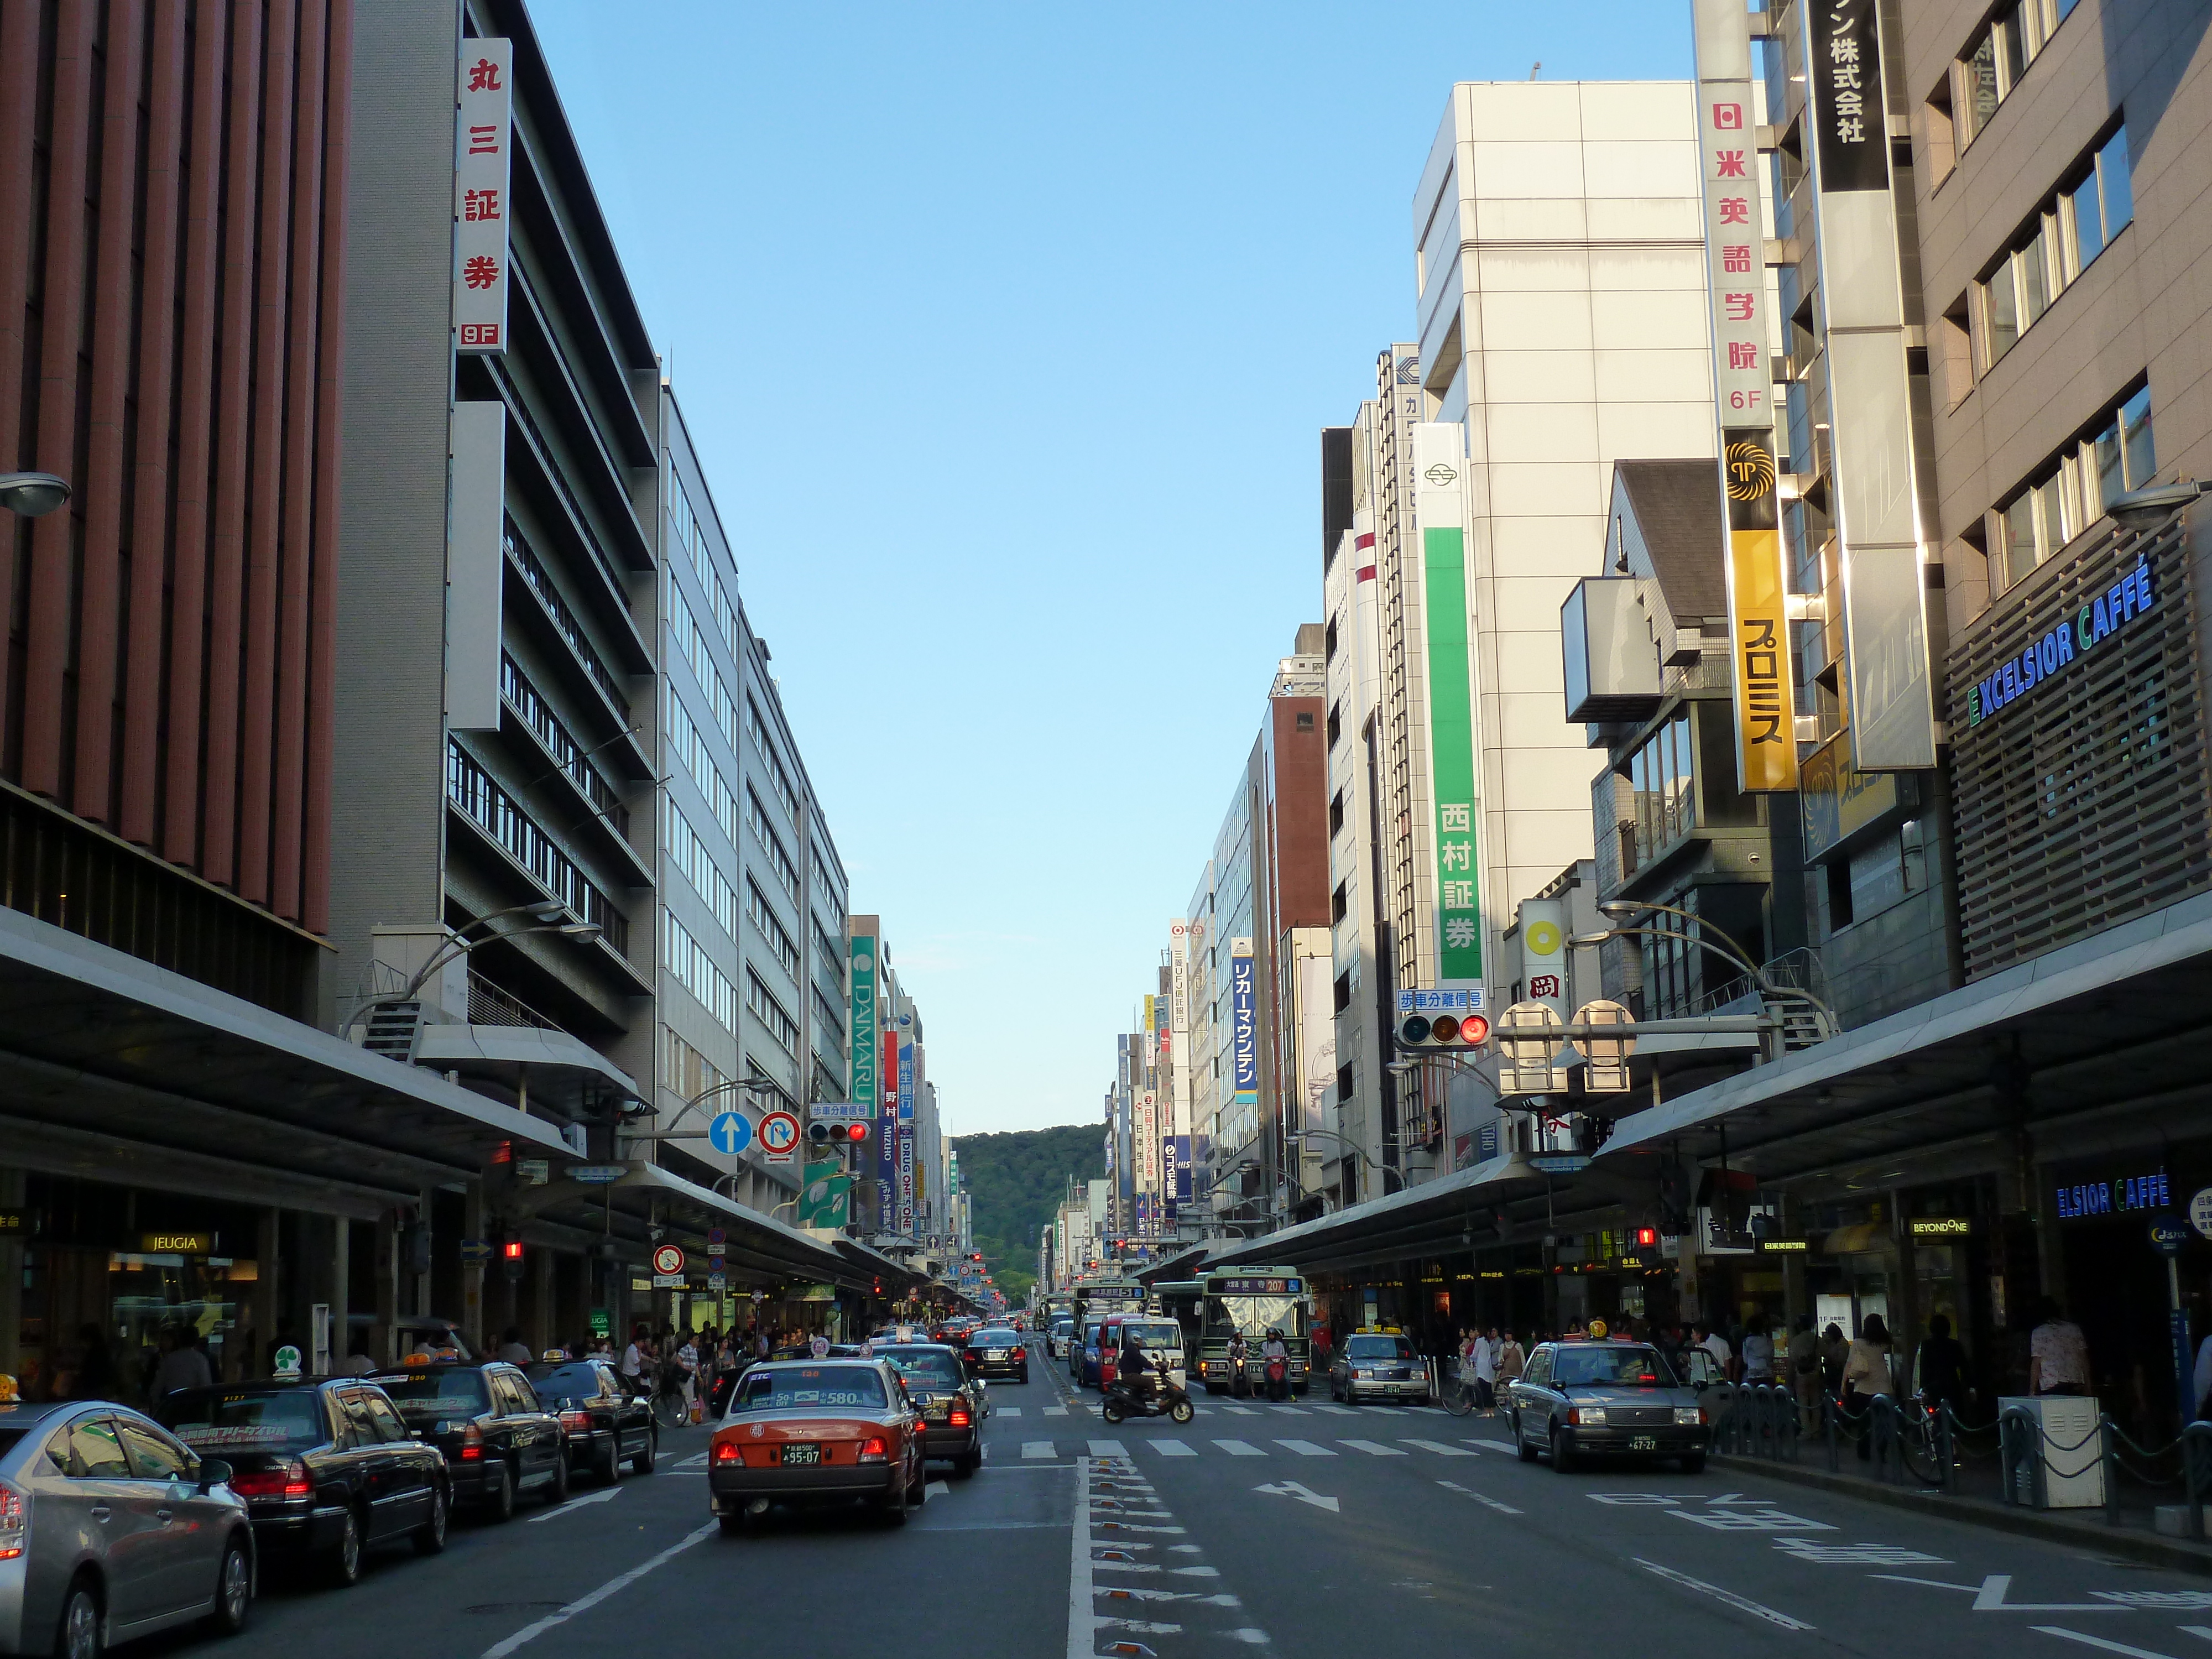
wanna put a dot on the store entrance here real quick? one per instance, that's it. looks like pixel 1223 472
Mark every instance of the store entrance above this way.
pixel 2116 1291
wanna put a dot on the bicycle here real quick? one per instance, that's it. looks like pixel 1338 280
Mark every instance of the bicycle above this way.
pixel 1458 1396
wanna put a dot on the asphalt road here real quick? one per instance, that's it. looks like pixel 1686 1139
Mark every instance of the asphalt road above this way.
pixel 1305 1528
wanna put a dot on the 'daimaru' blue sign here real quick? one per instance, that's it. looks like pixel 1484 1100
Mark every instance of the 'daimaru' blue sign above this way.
pixel 2130 598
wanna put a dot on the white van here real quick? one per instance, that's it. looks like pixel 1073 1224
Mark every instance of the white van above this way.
pixel 1161 1339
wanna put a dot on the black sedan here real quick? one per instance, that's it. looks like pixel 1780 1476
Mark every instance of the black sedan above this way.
pixel 604 1425
pixel 953 1404
pixel 498 1441
pixel 1591 1400
pixel 327 1468
pixel 994 1351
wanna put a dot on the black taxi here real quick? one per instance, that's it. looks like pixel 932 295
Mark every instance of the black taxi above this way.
pixel 605 1424
pixel 327 1466
pixel 953 1403
pixel 1578 1400
pixel 499 1441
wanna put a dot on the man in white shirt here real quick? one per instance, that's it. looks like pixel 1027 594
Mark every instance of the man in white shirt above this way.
pixel 1485 1375
pixel 1714 1344
pixel 1758 1355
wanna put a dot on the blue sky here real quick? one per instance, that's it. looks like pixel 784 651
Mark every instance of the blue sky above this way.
pixel 1005 334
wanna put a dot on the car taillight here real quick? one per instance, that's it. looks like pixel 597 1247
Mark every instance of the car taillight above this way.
pixel 959 1420
pixel 576 1422
pixel 725 1451
pixel 285 1482
pixel 14 1524
pixel 975 1354
pixel 873 1450
pixel 472 1443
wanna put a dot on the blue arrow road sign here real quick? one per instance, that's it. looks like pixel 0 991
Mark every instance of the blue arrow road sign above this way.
pixel 731 1133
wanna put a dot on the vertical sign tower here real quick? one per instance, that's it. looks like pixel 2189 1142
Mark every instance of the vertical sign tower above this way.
pixel 1735 278
pixel 484 133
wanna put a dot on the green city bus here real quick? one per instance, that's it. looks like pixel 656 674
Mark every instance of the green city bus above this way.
pixel 1253 1300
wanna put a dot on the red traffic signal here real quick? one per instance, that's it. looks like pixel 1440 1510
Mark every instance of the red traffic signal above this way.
pixel 823 1134
pixel 1444 1031
pixel 1647 1239
pixel 511 1250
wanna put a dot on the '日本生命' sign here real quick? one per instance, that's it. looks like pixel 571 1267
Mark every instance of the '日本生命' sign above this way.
pixel 484 128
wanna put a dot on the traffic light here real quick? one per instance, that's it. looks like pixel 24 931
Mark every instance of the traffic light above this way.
pixel 510 1256
pixel 823 1133
pixel 1647 1239
pixel 1420 1032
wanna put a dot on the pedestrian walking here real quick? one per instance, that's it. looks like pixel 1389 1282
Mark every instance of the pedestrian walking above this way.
pixel 1834 1351
pixel 1804 1354
pixel 1867 1374
pixel 2058 1354
pixel 1758 1353
pixel 1486 1377
pixel 1512 1360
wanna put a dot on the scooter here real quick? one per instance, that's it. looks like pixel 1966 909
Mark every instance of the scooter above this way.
pixel 1278 1379
pixel 1151 1396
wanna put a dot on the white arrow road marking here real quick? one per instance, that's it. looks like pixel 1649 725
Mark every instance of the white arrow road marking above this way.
pixel 599 1497
pixel 1372 1447
pixel 1488 1502
pixel 1240 1448
pixel 2096 1641
pixel 1990 1596
pixel 613 1586
pixel 1440 1448
pixel 1741 1603
pixel 1293 1489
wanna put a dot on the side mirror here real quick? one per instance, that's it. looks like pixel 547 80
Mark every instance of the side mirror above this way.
pixel 214 1472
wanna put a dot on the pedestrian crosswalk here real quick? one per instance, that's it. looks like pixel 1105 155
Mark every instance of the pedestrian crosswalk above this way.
pixel 1166 1446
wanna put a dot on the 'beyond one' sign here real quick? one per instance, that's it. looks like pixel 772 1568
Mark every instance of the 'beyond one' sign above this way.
pixel 2130 598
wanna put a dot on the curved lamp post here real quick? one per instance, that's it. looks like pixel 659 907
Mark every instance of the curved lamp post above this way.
pixel 32 494
pixel 547 912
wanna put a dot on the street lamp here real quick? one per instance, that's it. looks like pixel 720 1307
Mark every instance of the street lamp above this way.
pixel 546 912
pixel 1387 1170
pixel 31 494
pixel 2138 510
pixel 1769 991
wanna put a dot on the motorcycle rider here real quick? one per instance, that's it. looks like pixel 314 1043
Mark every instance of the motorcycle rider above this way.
pixel 1275 1359
pixel 1135 1366
pixel 1237 1354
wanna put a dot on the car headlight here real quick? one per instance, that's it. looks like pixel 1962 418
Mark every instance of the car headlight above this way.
pixel 1689 1414
pixel 1583 1416
pixel 1364 1375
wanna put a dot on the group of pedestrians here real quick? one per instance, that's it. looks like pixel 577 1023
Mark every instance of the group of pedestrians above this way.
pixel 1491 1361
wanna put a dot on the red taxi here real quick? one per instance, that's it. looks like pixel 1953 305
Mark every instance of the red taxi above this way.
pixel 818 1432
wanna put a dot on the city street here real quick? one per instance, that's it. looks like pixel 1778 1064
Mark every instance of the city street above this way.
pixel 1307 1527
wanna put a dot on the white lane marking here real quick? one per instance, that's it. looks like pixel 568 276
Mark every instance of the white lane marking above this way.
pixel 1488 1502
pixel 1990 1596
pixel 1440 1448
pixel 1333 1409
pixel 1108 1448
pixel 1055 1411
pixel 599 1497
pixel 1488 1445
pixel 613 1586
pixel 696 1460
pixel 1038 1449
pixel 1006 1411
pixel 1372 1447
pixel 1292 1411
pixel 1305 1449
pixel 936 1489
pixel 2096 1641
pixel 1194 1572
pixel 1241 1411
pixel 2202 1633
pixel 1082 1623
pixel 1240 1448
pixel 1167 1448
pixel 1742 1604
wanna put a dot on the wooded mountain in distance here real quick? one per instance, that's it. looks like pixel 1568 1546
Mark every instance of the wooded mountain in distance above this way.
pixel 1015 1182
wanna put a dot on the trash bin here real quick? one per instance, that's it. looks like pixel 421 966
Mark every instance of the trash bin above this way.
pixel 2062 1467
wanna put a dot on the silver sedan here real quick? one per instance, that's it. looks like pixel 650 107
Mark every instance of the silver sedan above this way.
pixel 112 1528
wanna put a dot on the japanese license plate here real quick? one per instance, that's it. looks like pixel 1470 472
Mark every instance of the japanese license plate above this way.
pixel 994 1353
pixel 802 1455
pixel 1643 1443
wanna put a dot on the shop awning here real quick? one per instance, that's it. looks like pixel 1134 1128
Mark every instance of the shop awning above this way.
pixel 2100 1038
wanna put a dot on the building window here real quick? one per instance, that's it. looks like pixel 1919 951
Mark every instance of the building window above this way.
pixel 757 727
pixel 571 756
pixel 756 820
pixel 1993 64
pixel 470 788
pixel 1336 812
pixel 2073 226
pixel 764 918
pixel 762 1002
pixel 684 1069
pixel 687 850
pixel 2071 492
pixel 686 958
pixel 690 749
pixel 827 1016
pixel 1662 778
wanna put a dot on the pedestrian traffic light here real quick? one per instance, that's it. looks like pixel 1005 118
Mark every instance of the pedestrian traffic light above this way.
pixel 510 1256
pixel 824 1133
pixel 1647 1239
pixel 1420 1032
